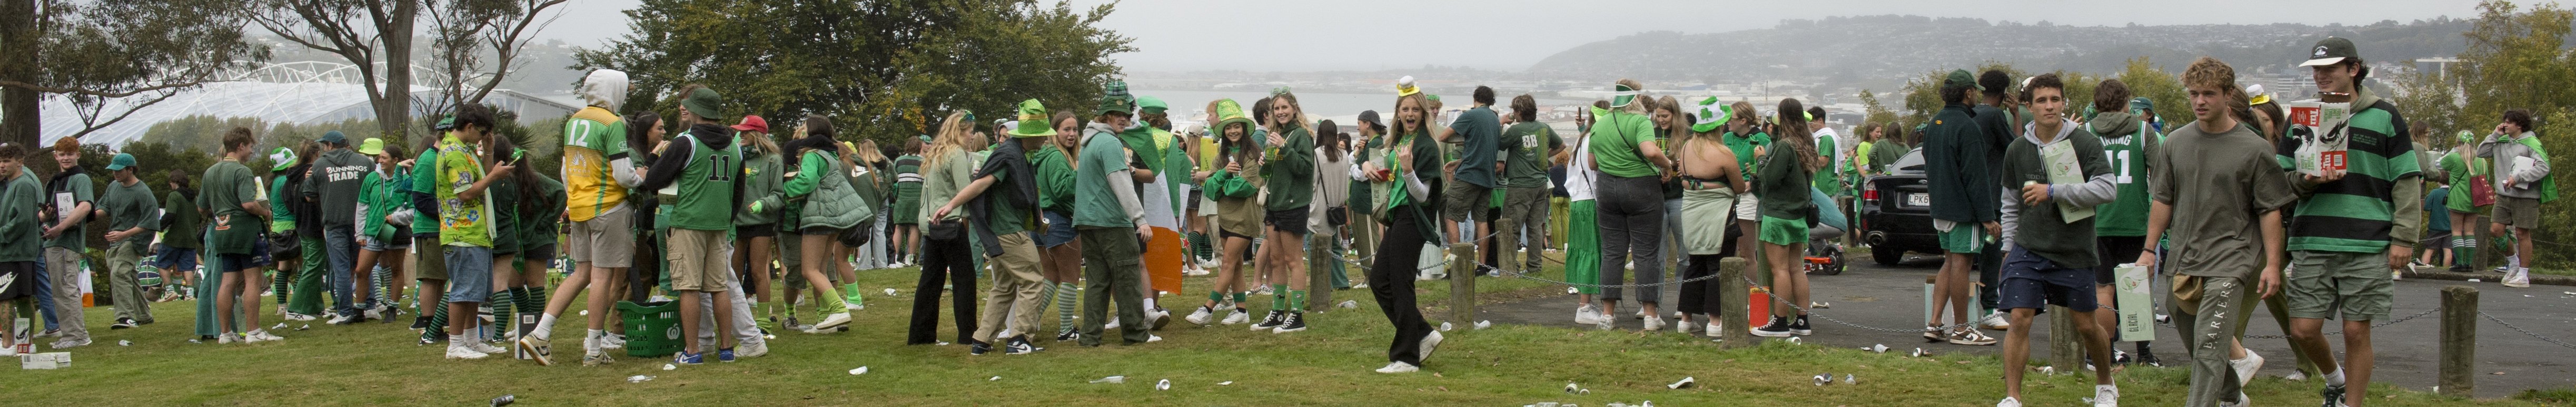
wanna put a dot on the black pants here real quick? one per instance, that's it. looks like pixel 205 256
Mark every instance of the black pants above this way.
pixel 1990 270
pixel 943 262
pixel 1701 297
pixel 1390 279
pixel 1632 228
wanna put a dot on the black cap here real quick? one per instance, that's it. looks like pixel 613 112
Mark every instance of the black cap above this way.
pixel 2330 51
pixel 1370 117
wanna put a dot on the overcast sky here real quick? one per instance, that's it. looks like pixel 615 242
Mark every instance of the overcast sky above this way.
pixel 1178 35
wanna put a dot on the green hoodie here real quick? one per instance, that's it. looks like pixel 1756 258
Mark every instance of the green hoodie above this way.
pixel 19 232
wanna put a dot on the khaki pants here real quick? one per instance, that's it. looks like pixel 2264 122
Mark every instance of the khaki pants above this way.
pixel 64 267
pixel 1014 293
pixel 122 257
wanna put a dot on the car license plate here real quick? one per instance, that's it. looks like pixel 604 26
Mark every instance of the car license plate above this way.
pixel 1918 199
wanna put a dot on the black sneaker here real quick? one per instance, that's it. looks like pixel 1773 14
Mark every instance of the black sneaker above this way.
pixel 2333 395
pixel 1067 335
pixel 122 323
pixel 420 322
pixel 1800 327
pixel 1019 345
pixel 1777 328
pixel 1271 321
pixel 433 337
pixel 1296 321
pixel 975 347
pixel 2149 359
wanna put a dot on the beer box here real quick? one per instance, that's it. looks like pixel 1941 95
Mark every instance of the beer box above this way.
pixel 2321 147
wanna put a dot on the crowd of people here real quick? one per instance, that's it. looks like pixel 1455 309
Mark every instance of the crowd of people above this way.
pixel 2040 196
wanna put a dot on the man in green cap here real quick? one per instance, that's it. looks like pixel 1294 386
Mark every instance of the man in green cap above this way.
pixel 699 165
pixel 1003 201
pixel 1110 223
pixel 1964 208
pixel 133 214
pixel 1160 154
pixel 2352 226
pixel 465 228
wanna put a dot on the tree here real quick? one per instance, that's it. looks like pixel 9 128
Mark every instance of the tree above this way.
pixel 1874 112
pixel 2431 99
pixel 111 57
pixel 2146 80
pixel 882 69
pixel 363 32
pixel 2518 59
pixel 463 30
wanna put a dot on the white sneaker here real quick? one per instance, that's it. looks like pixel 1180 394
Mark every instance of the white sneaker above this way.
pixel 612 341
pixel 1429 343
pixel 2106 395
pixel 2009 402
pixel 1995 321
pixel 260 335
pixel 1236 317
pixel 480 346
pixel 836 320
pixel 1714 329
pixel 456 351
pixel 228 338
pixel 1200 316
pixel 1587 315
pixel 2520 278
pixel 298 317
pixel 1685 327
pixel 751 349
pixel 2245 368
pixel 1111 325
pixel 1654 324
pixel 1151 338
pixel 2295 375
pixel 1399 367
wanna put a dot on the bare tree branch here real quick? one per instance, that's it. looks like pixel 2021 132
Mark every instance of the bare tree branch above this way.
pixel 98 93
pixel 90 123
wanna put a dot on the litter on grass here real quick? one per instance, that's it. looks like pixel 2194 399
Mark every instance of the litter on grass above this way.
pixel 638 379
pixel 1356 303
pixel 1880 348
pixel 1824 379
pixel 667 366
pixel 859 371
pixel 504 400
pixel 1686 382
pixel 1225 383
pixel 1444 327
pixel 889 291
pixel 1918 352
pixel 1570 388
pixel 1484 324
pixel 994 379
pixel 1849 379
pixel 122 342
pixel 1110 380
pixel 1165 384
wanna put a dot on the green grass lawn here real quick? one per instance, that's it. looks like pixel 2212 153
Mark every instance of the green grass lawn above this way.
pixel 1326 365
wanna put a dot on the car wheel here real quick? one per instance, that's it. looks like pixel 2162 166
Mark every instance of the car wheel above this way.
pixel 1886 254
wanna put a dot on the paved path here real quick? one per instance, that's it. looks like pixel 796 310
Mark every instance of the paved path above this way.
pixel 1891 297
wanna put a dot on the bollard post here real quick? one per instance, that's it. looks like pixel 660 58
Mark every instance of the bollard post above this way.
pixel 2065 343
pixel 2459 341
pixel 1462 283
pixel 1733 308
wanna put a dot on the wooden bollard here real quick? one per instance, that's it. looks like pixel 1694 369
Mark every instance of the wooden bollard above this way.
pixel 1733 308
pixel 1462 283
pixel 2065 343
pixel 2459 341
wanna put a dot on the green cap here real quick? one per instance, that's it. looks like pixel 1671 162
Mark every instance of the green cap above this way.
pixel 1960 78
pixel 702 102
pixel 2330 51
pixel 2141 103
pixel 121 162
pixel 1033 120
pixel 371 146
pixel 1114 98
pixel 285 157
pixel 445 123
pixel 1150 105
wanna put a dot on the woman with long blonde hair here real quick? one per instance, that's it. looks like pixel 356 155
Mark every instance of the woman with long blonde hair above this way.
pixel 946 167
pixel 1409 170
pixel 1710 182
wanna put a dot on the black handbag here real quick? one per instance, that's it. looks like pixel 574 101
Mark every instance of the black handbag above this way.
pixel 949 230
pixel 1337 216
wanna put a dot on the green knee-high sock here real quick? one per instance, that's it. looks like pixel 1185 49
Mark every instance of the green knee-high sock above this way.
pixel 535 300
pixel 281 285
pixel 437 319
pixel 1065 296
pixel 1278 296
pixel 502 303
pixel 1297 300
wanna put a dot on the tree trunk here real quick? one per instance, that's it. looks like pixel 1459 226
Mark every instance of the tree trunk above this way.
pixel 393 113
pixel 19 121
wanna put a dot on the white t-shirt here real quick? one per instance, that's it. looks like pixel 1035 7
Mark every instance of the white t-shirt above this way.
pixel 1579 175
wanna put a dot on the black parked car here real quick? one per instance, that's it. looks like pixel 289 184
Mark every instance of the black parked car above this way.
pixel 1896 211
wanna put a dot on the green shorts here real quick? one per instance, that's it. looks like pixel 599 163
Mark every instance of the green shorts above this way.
pixel 1784 231
pixel 1963 237
pixel 2323 285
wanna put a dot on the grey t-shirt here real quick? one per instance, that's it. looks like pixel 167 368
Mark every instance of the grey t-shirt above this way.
pixel 2219 185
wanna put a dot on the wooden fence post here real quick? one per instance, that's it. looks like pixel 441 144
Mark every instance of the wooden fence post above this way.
pixel 2459 341
pixel 2065 343
pixel 1734 304
pixel 1462 283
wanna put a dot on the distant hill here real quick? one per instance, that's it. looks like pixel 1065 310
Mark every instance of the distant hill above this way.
pixel 1890 47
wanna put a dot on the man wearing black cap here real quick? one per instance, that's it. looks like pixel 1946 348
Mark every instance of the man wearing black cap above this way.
pixel 1363 197
pixel 334 187
pixel 2352 225
pixel 1964 208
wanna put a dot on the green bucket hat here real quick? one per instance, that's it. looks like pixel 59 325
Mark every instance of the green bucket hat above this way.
pixel 285 157
pixel 702 102
pixel 371 146
pixel 1033 120
pixel 1712 115
pixel 1114 98
pixel 1229 113
pixel 1622 95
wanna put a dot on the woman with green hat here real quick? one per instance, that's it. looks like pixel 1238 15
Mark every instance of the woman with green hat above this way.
pixel 1238 217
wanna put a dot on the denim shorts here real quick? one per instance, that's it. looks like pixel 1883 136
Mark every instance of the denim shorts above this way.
pixel 469 273
pixel 374 244
pixel 175 259
pixel 1059 229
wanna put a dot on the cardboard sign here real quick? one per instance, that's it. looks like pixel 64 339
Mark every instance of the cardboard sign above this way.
pixel 2129 295
pixel 2321 150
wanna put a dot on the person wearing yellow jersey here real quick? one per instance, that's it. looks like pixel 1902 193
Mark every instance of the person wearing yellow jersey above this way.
pixel 596 174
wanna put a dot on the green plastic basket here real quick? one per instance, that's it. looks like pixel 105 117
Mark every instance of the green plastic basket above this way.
pixel 652 329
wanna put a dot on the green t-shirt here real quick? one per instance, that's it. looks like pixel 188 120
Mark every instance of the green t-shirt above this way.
pixel 1743 147
pixel 503 197
pixel 462 221
pixel 1479 134
pixel 2461 167
pixel 1528 144
pixel 1618 143
pixel 1829 179
pixel 1883 154
pixel 1095 204
pixel 131 206
pixel 19 227
pixel 76 189
pixel 2218 185
pixel 424 180
pixel 186 225
pixel 228 186
pixel 942 180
